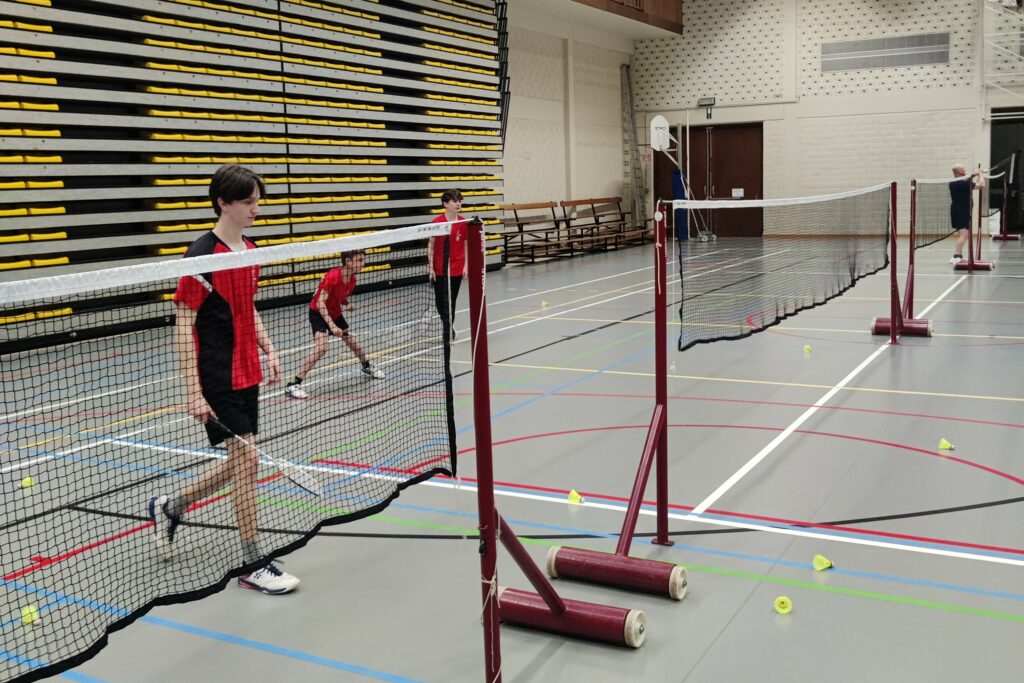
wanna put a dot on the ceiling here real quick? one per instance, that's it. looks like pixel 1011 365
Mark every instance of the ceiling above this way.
pixel 590 17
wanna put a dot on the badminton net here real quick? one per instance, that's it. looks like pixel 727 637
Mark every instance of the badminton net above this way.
pixel 811 249
pixel 95 424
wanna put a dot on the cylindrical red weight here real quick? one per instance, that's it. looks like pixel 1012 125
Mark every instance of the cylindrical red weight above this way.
pixel 620 571
pixel 587 620
pixel 916 327
pixel 881 325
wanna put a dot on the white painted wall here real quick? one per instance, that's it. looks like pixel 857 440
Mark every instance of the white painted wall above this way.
pixel 565 135
pixel 824 132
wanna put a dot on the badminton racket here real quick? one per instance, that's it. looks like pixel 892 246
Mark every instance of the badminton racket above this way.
pixel 299 475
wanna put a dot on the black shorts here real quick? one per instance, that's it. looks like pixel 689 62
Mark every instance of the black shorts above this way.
pixel 238 410
pixel 317 322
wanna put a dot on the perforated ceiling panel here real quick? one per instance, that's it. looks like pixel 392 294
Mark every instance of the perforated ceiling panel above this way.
pixel 730 49
pixel 826 21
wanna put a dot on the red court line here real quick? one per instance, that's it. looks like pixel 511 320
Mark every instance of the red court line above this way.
pixel 892 413
pixel 766 518
pixel 39 562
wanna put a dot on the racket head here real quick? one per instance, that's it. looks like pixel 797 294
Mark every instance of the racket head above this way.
pixel 305 479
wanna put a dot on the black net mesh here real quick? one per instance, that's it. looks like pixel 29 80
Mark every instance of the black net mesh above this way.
pixel 930 208
pixel 96 425
pixel 813 249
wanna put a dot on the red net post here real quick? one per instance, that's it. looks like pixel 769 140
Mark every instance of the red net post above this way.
pixel 1004 234
pixel 620 570
pixel 484 467
pixel 973 262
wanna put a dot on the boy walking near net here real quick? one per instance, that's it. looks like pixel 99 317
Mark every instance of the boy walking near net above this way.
pixel 326 317
pixel 218 335
pixel 446 257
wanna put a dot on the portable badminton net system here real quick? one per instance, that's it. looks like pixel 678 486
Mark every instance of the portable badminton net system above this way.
pixel 95 423
pixel 930 222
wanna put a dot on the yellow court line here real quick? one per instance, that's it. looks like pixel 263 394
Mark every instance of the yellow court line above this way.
pixel 905 392
pixel 787 328
pixel 134 418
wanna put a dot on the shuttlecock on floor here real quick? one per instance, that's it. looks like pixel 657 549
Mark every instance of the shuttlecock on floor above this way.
pixel 945 445
pixel 821 563
pixel 574 497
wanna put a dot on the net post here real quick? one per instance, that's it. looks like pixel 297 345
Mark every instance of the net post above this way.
pixel 908 290
pixel 894 324
pixel 484 465
pixel 974 261
pixel 619 569
pixel 661 371
pixel 1004 235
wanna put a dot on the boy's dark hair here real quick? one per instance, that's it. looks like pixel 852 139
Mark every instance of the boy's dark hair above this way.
pixel 347 255
pixel 449 195
pixel 233 183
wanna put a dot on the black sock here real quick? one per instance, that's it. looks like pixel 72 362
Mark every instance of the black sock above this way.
pixel 297 380
pixel 366 363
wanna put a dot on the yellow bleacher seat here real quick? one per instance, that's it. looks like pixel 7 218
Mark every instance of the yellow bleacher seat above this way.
pixel 21 317
pixel 43 236
pixel 46 211
pixel 10 213
pixel 36 133
pixel 10 239
pixel 13 185
pixel 46 262
pixel 53 313
pixel 170 251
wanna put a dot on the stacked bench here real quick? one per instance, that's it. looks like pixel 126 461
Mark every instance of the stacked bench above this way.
pixel 544 230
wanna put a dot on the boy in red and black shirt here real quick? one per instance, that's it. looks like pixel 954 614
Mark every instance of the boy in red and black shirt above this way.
pixel 218 335
pixel 447 259
pixel 326 317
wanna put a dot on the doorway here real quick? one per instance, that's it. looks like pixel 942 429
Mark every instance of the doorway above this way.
pixel 726 162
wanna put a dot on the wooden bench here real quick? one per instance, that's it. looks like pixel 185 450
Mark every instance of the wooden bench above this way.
pixel 532 231
pixel 601 223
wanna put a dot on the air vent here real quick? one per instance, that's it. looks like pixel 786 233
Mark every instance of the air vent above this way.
pixel 886 53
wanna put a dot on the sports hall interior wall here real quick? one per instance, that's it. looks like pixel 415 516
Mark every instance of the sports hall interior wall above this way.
pixel 824 131
pixel 565 121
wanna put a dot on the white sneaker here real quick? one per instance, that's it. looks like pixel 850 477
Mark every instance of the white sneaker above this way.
pixel 271 580
pixel 373 371
pixel 956 259
pixel 164 526
pixel 295 391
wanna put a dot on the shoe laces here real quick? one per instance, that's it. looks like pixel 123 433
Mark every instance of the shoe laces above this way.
pixel 273 569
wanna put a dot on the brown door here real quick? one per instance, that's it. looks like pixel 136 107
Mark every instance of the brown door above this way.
pixel 722 158
pixel 735 171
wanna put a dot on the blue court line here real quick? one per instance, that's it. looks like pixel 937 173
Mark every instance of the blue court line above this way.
pixel 60 598
pixel 760 559
pixel 280 651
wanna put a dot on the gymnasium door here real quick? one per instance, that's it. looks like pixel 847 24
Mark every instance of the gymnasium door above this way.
pixel 726 162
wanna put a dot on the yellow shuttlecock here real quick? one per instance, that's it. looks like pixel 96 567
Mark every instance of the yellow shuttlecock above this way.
pixel 544 304
pixel 821 563
pixel 807 348
pixel 29 615
pixel 28 482
pixel 574 497
pixel 945 445
pixel 783 605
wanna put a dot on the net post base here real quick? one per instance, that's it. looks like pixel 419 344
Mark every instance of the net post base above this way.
pixel 618 571
pixel 911 327
pixel 977 265
pixel 1006 238
pixel 602 623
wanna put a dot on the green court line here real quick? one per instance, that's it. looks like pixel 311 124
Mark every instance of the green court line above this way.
pixel 471 533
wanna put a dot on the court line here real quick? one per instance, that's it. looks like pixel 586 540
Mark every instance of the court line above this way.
pixel 807 414
pixel 771 383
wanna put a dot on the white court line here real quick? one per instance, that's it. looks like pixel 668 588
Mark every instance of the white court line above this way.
pixel 782 436
pixel 752 527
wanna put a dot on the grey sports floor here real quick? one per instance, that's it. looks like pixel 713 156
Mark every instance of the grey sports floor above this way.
pixel 928 545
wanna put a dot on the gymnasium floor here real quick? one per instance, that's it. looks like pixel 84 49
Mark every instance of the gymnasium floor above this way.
pixel 927 544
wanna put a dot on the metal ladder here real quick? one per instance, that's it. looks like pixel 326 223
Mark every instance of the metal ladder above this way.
pixel 636 172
